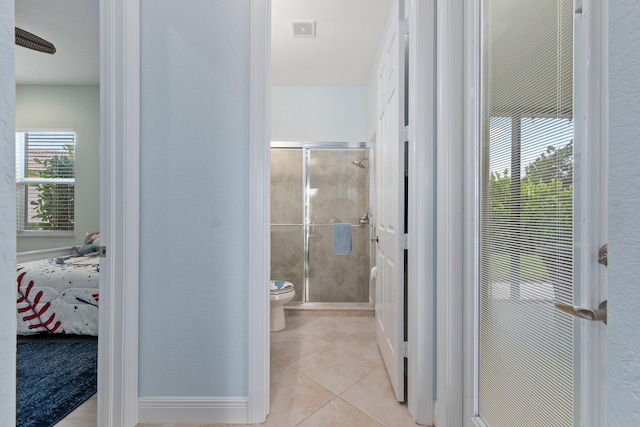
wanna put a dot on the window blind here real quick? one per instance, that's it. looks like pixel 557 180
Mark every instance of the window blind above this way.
pixel 45 181
pixel 525 349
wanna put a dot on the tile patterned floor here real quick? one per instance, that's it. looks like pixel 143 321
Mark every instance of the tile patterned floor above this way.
pixel 340 356
pixel 325 371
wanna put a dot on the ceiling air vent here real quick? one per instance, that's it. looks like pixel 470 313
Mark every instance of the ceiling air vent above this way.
pixel 303 28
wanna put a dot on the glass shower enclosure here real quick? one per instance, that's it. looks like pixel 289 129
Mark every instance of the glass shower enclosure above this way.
pixel 313 187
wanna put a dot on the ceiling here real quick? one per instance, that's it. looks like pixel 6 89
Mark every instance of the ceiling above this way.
pixel 347 35
pixel 73 27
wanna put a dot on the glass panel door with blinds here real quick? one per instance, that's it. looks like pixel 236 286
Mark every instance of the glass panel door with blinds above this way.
pixel 525 355
pixel 45 183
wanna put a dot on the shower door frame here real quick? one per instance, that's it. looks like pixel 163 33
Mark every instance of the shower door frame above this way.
pixel 306 224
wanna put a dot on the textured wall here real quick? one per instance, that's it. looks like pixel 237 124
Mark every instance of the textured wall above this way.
pixel 624 217
pixel 7 218
pixel 67 107
pixel 318 113
pixel 194 203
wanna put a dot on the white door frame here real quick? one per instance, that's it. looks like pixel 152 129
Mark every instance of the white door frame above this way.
pixel 590 227
pixel 421 202
pixel 422 167
pixel 259 210
pixel 452 169
pixel 471 182
pixel 119 212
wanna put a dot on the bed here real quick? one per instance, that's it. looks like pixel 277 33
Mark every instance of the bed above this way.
pixel 57 292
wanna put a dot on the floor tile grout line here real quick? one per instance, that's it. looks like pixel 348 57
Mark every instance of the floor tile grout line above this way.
pixel 314 381
pixel 319 409
pixel 347 350
pixel 375 368
pixel 363 410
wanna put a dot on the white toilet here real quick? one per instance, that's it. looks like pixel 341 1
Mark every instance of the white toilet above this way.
pixel 281 293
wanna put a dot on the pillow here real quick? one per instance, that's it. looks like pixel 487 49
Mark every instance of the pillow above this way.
pixel 91 237
pixel 87 248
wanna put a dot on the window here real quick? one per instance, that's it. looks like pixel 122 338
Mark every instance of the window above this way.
pixel 526 374
pixel 45 183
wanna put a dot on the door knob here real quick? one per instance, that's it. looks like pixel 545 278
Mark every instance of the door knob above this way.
pixel 374 239
pixel 599 314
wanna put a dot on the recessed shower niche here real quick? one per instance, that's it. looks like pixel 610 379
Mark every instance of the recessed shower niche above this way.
pixel 314 187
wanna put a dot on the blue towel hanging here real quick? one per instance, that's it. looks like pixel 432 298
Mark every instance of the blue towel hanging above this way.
pixel 342 239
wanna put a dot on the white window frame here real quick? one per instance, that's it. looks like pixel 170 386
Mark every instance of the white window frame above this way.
pixel 23 180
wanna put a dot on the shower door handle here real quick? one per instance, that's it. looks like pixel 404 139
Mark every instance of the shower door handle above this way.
pixel 374 239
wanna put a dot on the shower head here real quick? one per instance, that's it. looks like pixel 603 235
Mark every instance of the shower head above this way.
pixel 358 163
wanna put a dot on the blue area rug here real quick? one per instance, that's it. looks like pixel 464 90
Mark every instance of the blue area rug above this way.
pixel 54 378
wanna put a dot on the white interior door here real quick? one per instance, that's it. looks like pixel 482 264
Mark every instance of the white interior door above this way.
pixel 390 202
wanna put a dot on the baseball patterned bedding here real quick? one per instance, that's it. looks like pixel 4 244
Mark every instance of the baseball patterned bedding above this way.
pixel 58 296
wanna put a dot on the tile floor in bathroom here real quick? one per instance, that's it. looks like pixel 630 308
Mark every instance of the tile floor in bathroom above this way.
pixel 325 371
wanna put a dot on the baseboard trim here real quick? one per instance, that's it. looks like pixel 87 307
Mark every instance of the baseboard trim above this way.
pixel 193 410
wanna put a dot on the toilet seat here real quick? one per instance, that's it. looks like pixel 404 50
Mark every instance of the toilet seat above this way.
pixel 282 291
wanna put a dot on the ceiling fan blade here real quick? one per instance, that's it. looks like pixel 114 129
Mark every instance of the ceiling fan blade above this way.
pixel 31 41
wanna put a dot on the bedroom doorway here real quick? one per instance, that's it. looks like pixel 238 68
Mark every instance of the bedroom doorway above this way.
pixel 58 137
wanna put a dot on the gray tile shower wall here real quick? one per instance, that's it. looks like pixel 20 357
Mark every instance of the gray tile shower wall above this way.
pixel 336 278
pixel 286 187
pixel 340 190
pixel 287 256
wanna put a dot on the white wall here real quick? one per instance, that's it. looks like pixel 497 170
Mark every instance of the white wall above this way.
pixel 318 113
pixel 67 107
pixel 7 218
pixel 194 198
pixel 623 398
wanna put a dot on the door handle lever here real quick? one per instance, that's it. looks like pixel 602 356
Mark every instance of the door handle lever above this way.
pixel 598 314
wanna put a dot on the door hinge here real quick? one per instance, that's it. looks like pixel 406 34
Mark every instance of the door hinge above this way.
pixel 577 5
pixel 103 251
pixel 404 134
pixel 405 241
pixel 404 26
pixel 603 255
pixel 404 350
